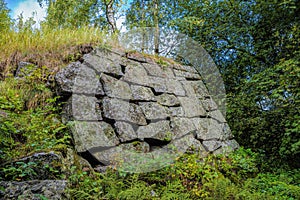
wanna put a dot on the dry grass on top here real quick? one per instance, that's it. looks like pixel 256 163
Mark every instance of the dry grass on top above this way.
pixel 47 47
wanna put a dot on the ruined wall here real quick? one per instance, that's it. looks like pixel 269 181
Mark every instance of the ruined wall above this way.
pixel 119 101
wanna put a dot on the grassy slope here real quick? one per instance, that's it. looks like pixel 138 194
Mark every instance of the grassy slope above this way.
pixel 29 122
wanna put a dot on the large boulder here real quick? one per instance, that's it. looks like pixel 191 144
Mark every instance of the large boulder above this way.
pixel 118 100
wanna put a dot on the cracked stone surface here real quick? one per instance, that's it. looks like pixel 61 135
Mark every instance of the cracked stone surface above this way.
pixel 123 101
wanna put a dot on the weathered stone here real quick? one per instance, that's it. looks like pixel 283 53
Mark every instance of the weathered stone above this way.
pixel 216 114
pixel 115 155
pixel 103 64
pixel 123 111
pixel 209 104
pixel 112 54
pixel 176 111
pixel 25 69
pixel 181 126
pixel 212 145
pixel 175 87
pixel 200 89
pixel 136 73
pixel 158 130
pixel 187 143
pixel 142 93
pixel 167 100
pixel 190 92
pixel 137 146
pixel 40 169
pixel 227 147
pixel 157 83
pixel 153 110
pixel 187 75
pixel 208 129
pixel 82 108
pixel 93 134
pixel 136 56
pixel 125 131
pixel 231 143
pixel 87 82
pixel 115 88
pixel 79 79
pixel 226 131
pixel 186 68
pixel 71 158
pixel 142 101
pixel 107 156
pixel 192 107
pixel 157 70
pixel 49 189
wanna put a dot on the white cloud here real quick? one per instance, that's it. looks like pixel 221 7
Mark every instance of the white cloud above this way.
pixel 28 7
pixel 119 24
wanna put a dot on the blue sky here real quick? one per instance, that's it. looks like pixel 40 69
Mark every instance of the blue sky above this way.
pixel 26 7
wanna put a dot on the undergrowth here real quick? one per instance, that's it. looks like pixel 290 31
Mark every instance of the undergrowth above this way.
pixel 235 176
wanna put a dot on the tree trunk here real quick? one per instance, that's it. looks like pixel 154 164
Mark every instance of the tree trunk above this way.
pixel 110 15
pixel 156 34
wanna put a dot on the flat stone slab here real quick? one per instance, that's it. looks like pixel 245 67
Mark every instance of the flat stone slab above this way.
pixel 200 89
pixel 209 104
pixel 159 71
pixel 181 126
pixel 212 145
pixel 153 111
pixel 102 64
pixel 216 114
pixel 188 143
pixel 208 128
pixel 187 75
pixel 142 93
pixel 78 78
pixel 175 87
pixel 125 131
pixel 185 68
pixel 192 107
pixel 136 73
pixel 167 100
pixel 123 111
pixel 115 88
pixel 176 111
pixel 49 189
pixel 158 130
pixel 85 108
pixel 93 134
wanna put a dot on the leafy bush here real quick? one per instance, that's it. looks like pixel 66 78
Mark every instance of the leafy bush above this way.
pixel 29 120
pixel 234 176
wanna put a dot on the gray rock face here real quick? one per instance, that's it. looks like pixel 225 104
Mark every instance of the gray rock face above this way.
pixel 127 102
pixel 37 189
pixel 116 109
pixel 25 69
pixel 39 163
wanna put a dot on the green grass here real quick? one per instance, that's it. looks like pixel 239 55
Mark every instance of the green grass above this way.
pixel 48 47
pixel 191 177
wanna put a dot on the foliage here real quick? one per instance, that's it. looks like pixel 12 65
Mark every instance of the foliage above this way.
pixel 5 20
pixel 77 14
pixel 234 176
pixel 256 47
pixel 29 120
